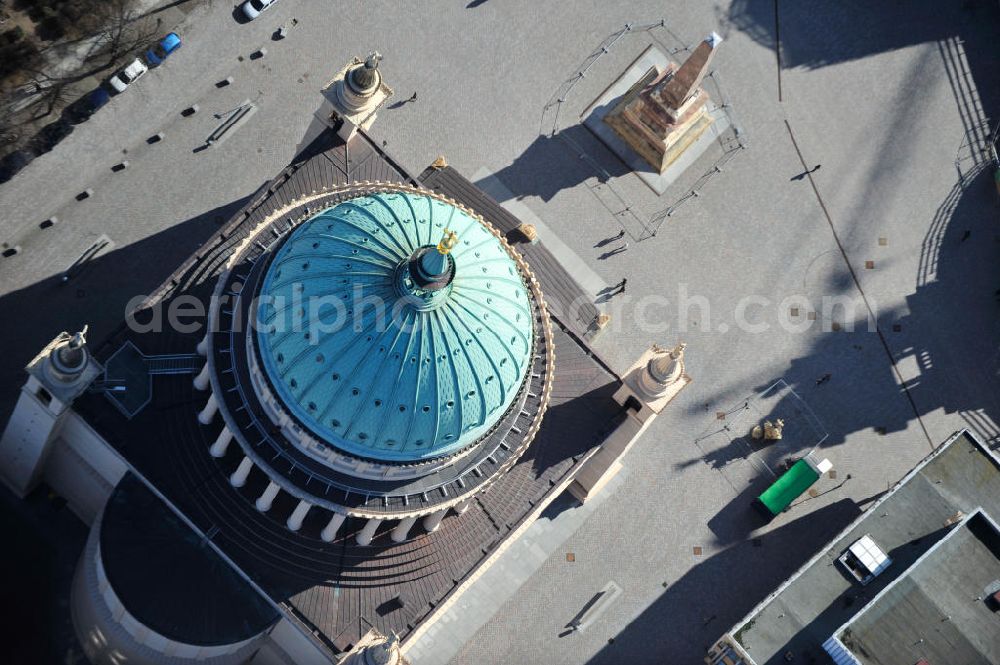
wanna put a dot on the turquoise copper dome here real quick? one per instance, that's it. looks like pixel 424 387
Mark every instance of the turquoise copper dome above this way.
pixel 386 339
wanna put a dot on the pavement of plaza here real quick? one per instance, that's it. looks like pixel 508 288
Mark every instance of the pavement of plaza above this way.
pixel 899 219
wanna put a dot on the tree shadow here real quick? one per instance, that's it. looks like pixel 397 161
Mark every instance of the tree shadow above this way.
pixel 163 8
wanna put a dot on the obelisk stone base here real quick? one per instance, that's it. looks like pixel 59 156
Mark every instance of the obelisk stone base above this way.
pixel 594 115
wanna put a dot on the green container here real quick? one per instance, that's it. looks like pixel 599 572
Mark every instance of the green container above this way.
pixel 788 487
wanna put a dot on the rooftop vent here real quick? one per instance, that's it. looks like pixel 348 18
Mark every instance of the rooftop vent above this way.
pixel 864 560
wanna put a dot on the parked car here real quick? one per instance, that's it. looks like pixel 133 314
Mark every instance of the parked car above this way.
pixel 51 134
pixel 158 52
pixel 127 76
pixel 86 106
pixel 13 162
pixel 254 8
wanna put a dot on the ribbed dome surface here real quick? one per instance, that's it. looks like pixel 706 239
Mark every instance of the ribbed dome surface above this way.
pixel 370 362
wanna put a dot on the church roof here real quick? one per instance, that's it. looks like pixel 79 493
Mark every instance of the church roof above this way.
pixel 370 356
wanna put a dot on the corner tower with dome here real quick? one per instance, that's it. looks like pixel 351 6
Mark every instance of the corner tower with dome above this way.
pixel 387 357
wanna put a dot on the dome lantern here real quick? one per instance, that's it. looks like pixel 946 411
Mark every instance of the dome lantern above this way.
pixel 662 371
pixel 364 79
pixel 70 357
pixel 434 264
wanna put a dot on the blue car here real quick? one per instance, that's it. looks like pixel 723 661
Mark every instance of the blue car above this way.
pixel 159 51
pixel 86 106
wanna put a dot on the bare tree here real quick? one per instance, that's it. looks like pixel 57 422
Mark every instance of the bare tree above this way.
pixel 40 95
pixel 10 130
pixel 56 94
pixel 121 30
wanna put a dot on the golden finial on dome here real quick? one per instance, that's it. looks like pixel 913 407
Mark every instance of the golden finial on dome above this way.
pixel 448 242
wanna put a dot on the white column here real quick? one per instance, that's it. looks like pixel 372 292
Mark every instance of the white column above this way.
pixel 402 529
pixel 294 521
pixel 332 527
pixel 211 407
pixel 433 521
pixel 366 534
pixel 239 477
pixel 218 448
pixel 462 506
pixel 201 381
pixel 265 500
pixel 202 347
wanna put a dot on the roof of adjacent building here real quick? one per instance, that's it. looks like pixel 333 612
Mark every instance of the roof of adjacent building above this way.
pixel 939 609
pixel 921 510
pixel 373 362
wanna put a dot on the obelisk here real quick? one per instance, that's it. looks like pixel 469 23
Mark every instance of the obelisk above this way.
pixel 666 111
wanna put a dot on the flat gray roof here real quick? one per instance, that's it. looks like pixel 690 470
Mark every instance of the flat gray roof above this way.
pixel 936 610
pixel 820 598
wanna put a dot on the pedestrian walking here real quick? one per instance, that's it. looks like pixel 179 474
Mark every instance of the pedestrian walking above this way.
pixel 802 175
pixel 610 239
pixel 823 379
pixel 413 98
pixel 965 236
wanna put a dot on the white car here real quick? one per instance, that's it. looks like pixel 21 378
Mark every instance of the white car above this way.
pixel 124 78
pixel 254 8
